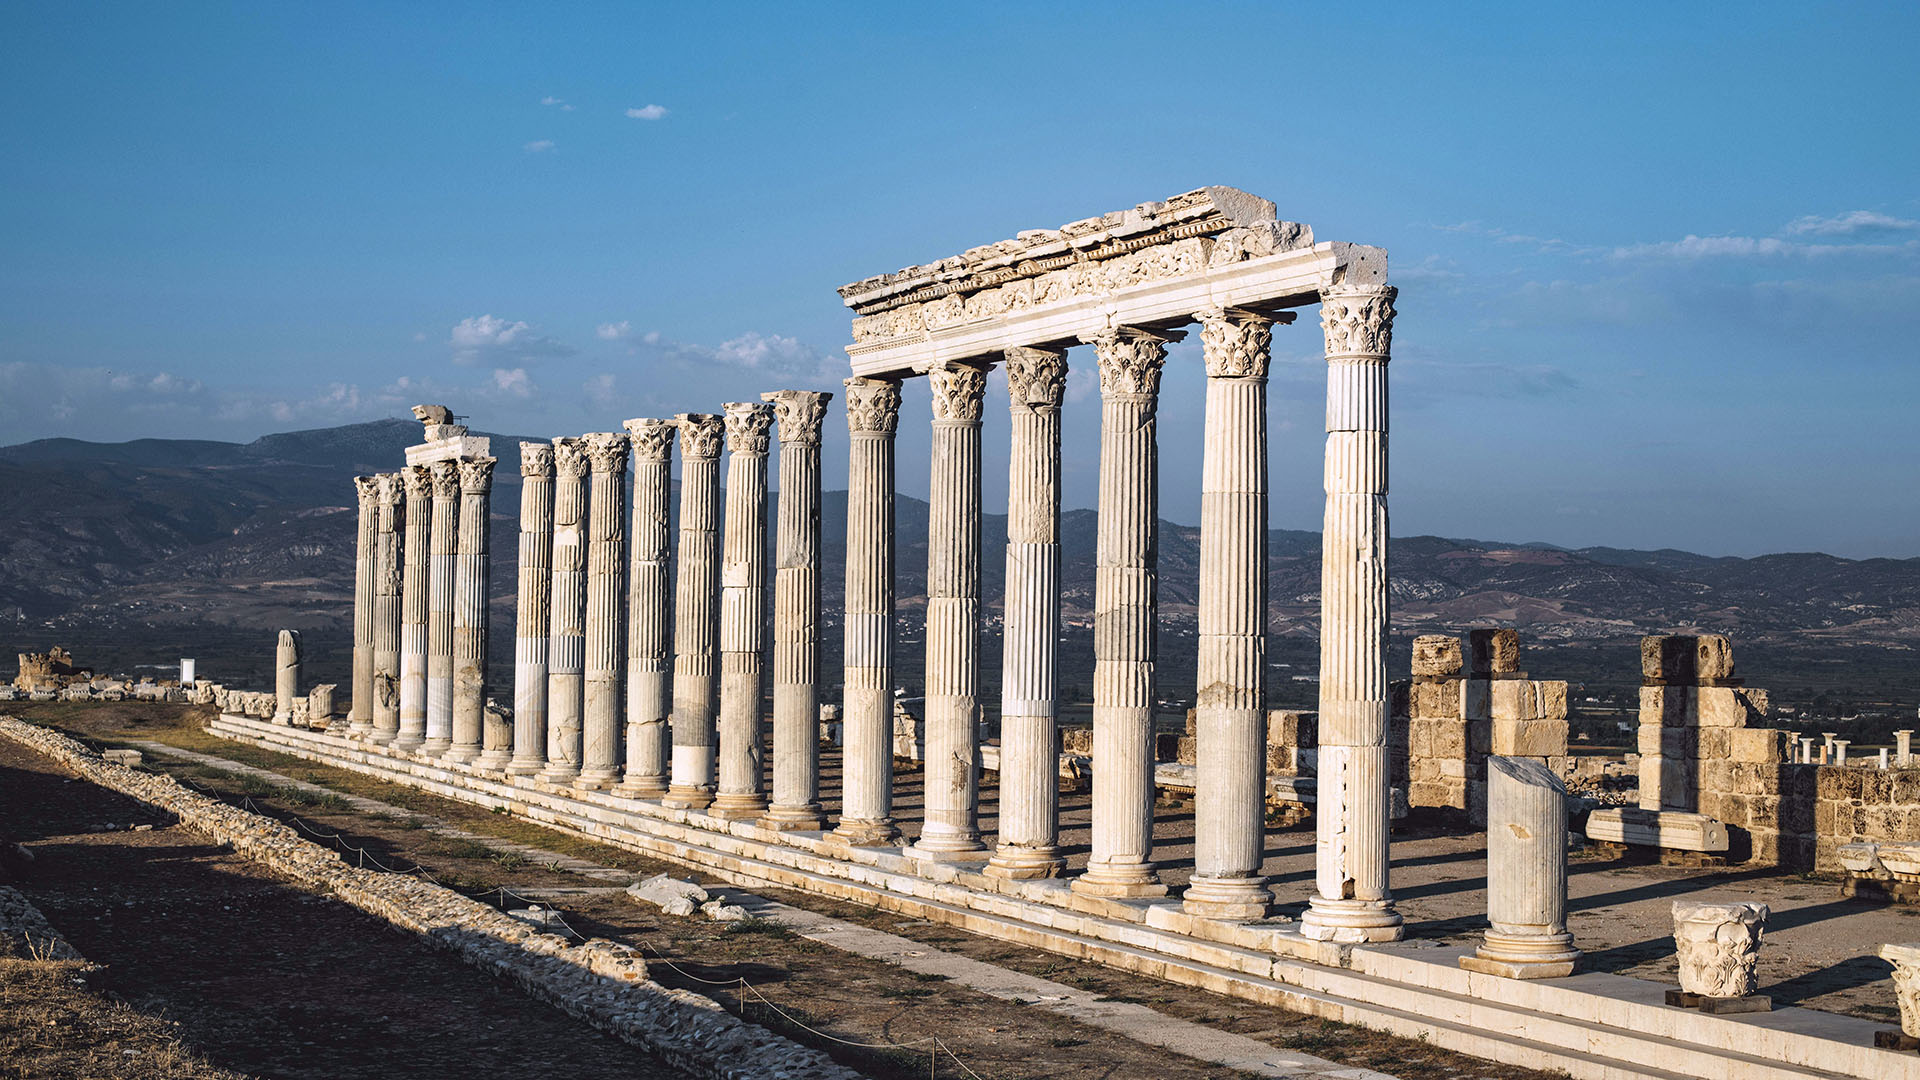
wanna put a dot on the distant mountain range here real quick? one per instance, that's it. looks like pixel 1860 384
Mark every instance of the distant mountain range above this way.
pixel 160 532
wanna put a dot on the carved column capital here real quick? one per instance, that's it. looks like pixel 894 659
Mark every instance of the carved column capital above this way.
pixel 536 459
pixel 367 488
pixel 1131 359
pixel 389 490
pixel 446 479
pixel 873 405
pixel 1358 320
pixel 651 440
pixel 1036 378
pixel 1237 343
pixel 959 391
pixel 476 476
pixel 418 481
pixel 749 426
pixel 606 451
pixel 569 458
pixel 800 414
pixel 700 434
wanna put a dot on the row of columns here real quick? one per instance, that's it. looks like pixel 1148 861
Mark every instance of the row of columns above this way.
pixel 570 660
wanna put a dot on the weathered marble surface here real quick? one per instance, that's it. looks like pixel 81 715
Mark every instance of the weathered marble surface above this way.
pixel 1906 984
pixel 1719 945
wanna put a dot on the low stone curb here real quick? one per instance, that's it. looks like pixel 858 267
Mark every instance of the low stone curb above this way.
pixel 23 923
pixel 598 982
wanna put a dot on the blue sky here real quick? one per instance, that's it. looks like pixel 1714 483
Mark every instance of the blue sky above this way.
pixel 1659 265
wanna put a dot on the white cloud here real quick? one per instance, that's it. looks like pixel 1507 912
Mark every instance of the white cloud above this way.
pixel 647 112
pixel 551 101
pixel 538 146
pixel 496 339
pixel 1851 223
pixel 513 381
pixel 1749 247
pixel 599 387
pixel 611 331
pixel 766 352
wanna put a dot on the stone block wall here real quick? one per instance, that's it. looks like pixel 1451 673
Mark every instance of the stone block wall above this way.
pixel 1861 803
pixel 1462 705
pixel 1292 741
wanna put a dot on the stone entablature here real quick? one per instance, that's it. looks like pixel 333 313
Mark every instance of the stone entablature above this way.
pixel 1157 263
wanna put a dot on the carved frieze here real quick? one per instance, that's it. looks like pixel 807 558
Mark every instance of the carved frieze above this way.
pixel 873 405
pixel 749 426
pixel 800 414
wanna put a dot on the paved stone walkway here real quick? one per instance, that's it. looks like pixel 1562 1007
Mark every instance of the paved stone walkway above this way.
pixel 1136 1022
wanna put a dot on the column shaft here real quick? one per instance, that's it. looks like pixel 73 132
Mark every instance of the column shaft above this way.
pixel 386 609
pixel 472 567
pixel 1029 843
pixel 951 827
pixel 866 806
pixel 566 632
pixel 649 634
pixel 1352 901
pixel 360 712
pixel 606 615
pixel 445 550
pixel 1231 766
pixel 533 611
pixel 696 613
pixel 743 612
pixel 796 614
pixel 1526 874
pixel 415 556
pixel 286 675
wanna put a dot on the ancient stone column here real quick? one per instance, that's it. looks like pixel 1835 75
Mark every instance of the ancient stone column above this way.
pixel 649 635
pixel 566 630
pixel 743 612
pixel 1352 901
pixel 602 716
pixel 696 613
pixel 1526 874
pixel 1902 747
pixel 796 614
pixel 951 828
pixel 286 675
pixel 386 609
pixel 1125 627
pixel 533 611
pixel 417 569
pixel 360 713
pixel 445 556
pixel 1230 762
pixel 1029 842
pixel 473 565
pixel 866 806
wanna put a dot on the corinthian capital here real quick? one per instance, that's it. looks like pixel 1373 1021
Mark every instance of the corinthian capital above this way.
pixel 569 458
pixel 389 491
pixel 959 390
pixel 1131 358
pixel 606 451
pixel 800 413
pixel 1358 319
pixel 873 405
pixel 749 426
pixel 446 479
pixel 652 440
pixel 367 488
pixel 1237 343
pixel 700 435
pixel 476 476
pixel 1036 378
pixel 536 459
pixel 418 480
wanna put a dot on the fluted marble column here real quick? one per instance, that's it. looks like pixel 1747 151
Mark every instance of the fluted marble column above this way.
pixel 606 614
pixel 796 614
pixel 1029 843
pixel 360 712
pixel 286 675
pixel 416 570
pixel 566 631
pixel 1231 720
pixel 1526 874
pixel 386 608
pixel 1125 630
pixel 951 828
pixel 866 800
pixel 533 611
pixel 473 565
pixel 445 555
pixel 1352 901
pixel 696 613
pixel 649 636
pixel 743 612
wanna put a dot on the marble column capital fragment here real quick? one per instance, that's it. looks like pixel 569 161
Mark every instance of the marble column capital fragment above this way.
pixel 446 479
pixel 606 451
pixel 536 459
pixel 800 414
pixel 873 405
pixel 569 458
pixel 1131 359
pixel 1358 320
pixel 1237 343
pixel 1036 378
pixel 367 488
pixel 651 440
pixel 749 426
pixel 700 434
pixel 390 489
pixel 418 481
pixel 476 476
pixel 959 392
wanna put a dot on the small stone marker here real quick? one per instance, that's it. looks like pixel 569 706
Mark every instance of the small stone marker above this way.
pixel 124 757
pixel 1719 945
pixel 1906 989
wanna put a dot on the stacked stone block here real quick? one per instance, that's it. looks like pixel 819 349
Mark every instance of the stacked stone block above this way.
pixel 1464 704
pixel 1859 805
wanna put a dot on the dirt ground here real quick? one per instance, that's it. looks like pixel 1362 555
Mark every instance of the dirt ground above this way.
pixel 846 997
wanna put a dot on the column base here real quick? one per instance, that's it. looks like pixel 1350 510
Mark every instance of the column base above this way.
pixel 1351 921
pixel 383 738
pixel 733 806
pixel 359 728
pixel 867 832
pixel 522 767
pixel 493 760
pixel 403 741
pixel 434 747
pixel 806 818
pixel 1238 899
pixel 596 779
pixel 562 775
pixel 947 849
pixel 1012 862
pixel 643 787
pixel 1511 956
pixel 460 754
pixel 1119 880
pixel 680 797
